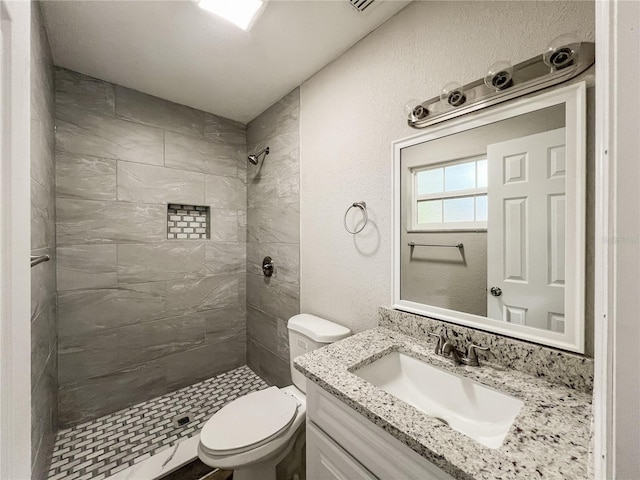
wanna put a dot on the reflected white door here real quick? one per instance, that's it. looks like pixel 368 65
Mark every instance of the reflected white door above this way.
pixel 526 230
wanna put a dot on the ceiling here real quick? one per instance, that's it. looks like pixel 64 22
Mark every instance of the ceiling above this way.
pixel 175 50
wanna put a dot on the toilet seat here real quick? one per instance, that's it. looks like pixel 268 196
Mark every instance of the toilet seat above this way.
pixel 249 422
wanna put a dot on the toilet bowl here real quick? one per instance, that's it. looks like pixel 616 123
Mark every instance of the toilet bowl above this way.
pixel 253 433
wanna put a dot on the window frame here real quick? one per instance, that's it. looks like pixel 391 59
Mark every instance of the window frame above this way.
pixel 470 226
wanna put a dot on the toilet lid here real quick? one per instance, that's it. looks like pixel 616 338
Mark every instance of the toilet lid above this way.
pixel 249 421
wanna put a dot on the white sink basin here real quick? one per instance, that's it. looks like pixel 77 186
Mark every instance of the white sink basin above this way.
pixel 477 411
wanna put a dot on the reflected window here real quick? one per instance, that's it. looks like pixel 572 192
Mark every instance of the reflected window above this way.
pixel 450 196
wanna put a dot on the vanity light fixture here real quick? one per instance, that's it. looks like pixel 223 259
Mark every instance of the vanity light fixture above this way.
pixel 242 13
pixel 565 58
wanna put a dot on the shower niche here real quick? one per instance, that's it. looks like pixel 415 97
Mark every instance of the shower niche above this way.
pixel 188 222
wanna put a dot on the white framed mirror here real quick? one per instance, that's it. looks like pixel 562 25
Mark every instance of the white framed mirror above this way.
pixel 489 219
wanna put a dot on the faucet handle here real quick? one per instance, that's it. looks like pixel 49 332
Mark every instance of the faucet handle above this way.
pixel 472 355
pixel 440 342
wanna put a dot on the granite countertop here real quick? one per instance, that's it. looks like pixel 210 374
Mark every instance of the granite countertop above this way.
pixel 549 438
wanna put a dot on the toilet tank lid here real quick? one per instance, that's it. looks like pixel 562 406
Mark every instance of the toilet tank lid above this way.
pixel 317 329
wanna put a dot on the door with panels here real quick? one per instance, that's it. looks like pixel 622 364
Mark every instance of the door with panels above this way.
pixel 526 230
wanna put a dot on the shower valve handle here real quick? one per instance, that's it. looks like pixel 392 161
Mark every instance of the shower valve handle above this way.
pixel 268 266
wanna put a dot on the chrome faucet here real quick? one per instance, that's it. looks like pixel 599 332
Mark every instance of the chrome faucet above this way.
pixel 472 357
pixel 450 350
pixel 440 343
pixel 445 348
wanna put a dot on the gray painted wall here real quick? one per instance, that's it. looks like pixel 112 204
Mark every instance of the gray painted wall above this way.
pixel 140 315
pixel 43 276
pixel 273 224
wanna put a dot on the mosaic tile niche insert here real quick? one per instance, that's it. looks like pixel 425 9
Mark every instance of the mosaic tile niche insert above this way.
pixel 188 222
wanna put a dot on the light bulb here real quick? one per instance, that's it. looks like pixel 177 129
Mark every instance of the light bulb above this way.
pixel 499 76
pixel 414 110
pixel 562 51
pixel 453 95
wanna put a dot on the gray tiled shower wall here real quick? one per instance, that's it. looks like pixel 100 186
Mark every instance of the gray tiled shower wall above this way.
pixel 140 315
pixel 43 276
pixel 274 230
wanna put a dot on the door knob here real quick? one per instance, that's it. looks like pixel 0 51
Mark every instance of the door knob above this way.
pixel 495 291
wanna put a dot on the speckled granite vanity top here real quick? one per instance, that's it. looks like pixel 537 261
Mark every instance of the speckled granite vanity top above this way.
pixel 549 439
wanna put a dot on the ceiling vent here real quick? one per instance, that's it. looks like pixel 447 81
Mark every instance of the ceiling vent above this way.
pixel 361 5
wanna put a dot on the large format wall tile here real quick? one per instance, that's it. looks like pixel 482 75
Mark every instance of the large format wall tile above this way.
pixel 191 366
pixel 285 256
pixel 87 355
pixel 160 261
pixel 134 304
pixel 42 70
pixel 43 216
pixel 224 323
pixel 200 294
pixel 225 258
pixel 150 184
pixel 226 226
pixel 42 147
pixel 82 176
pixel 83 92
pixel 148 341
pixel 86 266
pixel 97 396
pixel 142 108
pixel 43 339
pixel 281 117
pixel 271 332
pixel 242 225
pixel 224 131
pixel 274 224
pixel 44 418
pixel 276 298
pixel 225 192
pixel 191 153
pixel 267 364
pixel 86 311
pixel 86 133
pixel 283 159
pixel 94 354
pixel 274 190
pixel 87 221
pixel 44 365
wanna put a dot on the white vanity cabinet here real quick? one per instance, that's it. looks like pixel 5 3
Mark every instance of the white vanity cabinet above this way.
pixel 343 445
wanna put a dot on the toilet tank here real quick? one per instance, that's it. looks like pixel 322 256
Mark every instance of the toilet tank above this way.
pixel 308 332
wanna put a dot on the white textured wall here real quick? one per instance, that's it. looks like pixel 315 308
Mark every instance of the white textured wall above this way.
pixel 352 110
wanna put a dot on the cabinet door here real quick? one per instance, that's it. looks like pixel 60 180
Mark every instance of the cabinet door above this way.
pixel 327 461
pixel 383 455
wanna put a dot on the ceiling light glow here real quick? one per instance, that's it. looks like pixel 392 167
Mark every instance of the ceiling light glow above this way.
pixel 239 12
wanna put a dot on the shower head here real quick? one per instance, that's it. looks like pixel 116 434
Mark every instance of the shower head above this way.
pixel 256 157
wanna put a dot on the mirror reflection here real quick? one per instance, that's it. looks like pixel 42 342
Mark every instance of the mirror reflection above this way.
pixel 483 218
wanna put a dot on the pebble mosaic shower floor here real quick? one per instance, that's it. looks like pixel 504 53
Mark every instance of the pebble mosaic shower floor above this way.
pixel 104 446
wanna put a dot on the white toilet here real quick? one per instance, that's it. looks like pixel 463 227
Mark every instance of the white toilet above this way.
pixel 253 433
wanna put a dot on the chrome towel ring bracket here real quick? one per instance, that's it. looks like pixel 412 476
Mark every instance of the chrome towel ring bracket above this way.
pixel 363 207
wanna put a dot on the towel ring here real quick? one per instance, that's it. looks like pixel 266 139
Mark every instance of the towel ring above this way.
pixel 362 206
